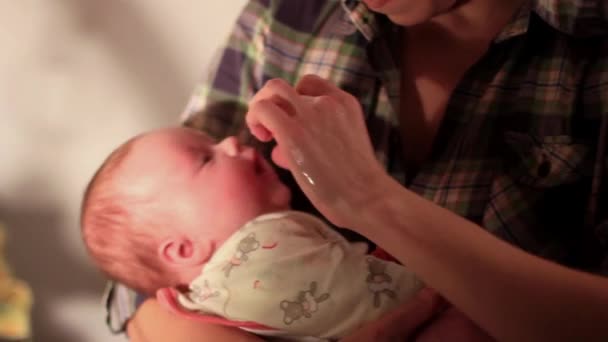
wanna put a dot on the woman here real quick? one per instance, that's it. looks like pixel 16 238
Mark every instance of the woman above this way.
pixel 491 109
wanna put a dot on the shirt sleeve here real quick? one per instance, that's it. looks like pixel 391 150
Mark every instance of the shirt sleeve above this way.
pixel 120 303
pixel 217 106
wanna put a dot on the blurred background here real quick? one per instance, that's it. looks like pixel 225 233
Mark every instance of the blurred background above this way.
pixel 77 77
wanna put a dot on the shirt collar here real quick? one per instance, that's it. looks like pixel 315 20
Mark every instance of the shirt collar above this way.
pixel 579 18
pixel 364 20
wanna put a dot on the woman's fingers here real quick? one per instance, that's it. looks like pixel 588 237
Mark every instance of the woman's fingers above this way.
pixel 281 95
pixel 331 99
pixel 277 86
pixel 266 118
pixel 279 157
pixel 323 140
pixel 313 85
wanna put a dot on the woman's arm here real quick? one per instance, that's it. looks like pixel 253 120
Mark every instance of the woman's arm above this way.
pixel 512 295
pixel 403 323
pixel 152 323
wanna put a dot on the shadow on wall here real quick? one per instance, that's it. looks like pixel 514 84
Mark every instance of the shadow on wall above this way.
pixel 38 246
pixel 154 72
pixel 53 272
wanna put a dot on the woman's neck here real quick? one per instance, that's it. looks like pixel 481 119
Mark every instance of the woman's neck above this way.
pixel 479 20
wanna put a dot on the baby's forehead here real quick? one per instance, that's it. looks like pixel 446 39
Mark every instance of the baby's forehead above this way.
pixel 190 136
pixel 175 138
pixel 159 156
pixel 165 150
pixel 182 135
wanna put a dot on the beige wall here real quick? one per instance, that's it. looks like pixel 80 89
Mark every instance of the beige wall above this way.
pixel 76 78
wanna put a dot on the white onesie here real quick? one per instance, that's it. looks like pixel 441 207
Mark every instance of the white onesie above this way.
pixel 292 273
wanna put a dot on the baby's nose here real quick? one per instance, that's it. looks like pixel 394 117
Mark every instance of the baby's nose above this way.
pixel 230 146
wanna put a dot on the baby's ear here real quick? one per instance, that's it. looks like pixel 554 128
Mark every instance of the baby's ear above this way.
pixel 181 251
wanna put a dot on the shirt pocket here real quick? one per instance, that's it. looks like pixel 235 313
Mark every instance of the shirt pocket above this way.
pixel 544 161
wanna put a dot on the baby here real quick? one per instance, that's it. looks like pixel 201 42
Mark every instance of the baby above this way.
pixel 207 228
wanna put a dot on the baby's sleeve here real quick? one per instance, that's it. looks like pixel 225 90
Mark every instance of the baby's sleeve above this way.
pixel 294 274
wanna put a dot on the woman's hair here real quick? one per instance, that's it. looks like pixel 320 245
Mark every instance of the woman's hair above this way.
pixel 117 236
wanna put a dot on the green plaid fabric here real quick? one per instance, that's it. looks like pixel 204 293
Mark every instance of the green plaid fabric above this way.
pixel 522 148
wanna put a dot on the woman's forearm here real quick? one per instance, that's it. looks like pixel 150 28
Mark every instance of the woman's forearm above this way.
pixel 515 296
pixel 153 323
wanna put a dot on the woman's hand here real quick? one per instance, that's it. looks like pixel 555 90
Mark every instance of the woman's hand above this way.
pixel 323 140
pixel 404 322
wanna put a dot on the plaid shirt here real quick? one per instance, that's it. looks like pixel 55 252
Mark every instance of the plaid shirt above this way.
pixel 521 150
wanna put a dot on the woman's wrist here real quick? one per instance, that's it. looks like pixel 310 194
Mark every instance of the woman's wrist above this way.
pixel 443 249
pixel 369 200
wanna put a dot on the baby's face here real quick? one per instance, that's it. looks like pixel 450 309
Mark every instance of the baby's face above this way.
pixel 207 186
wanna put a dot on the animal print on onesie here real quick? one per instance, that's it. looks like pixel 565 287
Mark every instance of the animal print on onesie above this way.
pixel 291 272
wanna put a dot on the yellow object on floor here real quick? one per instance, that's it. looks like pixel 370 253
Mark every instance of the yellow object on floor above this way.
pixel 15 300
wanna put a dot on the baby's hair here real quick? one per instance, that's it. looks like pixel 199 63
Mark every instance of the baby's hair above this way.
pixel 118 239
